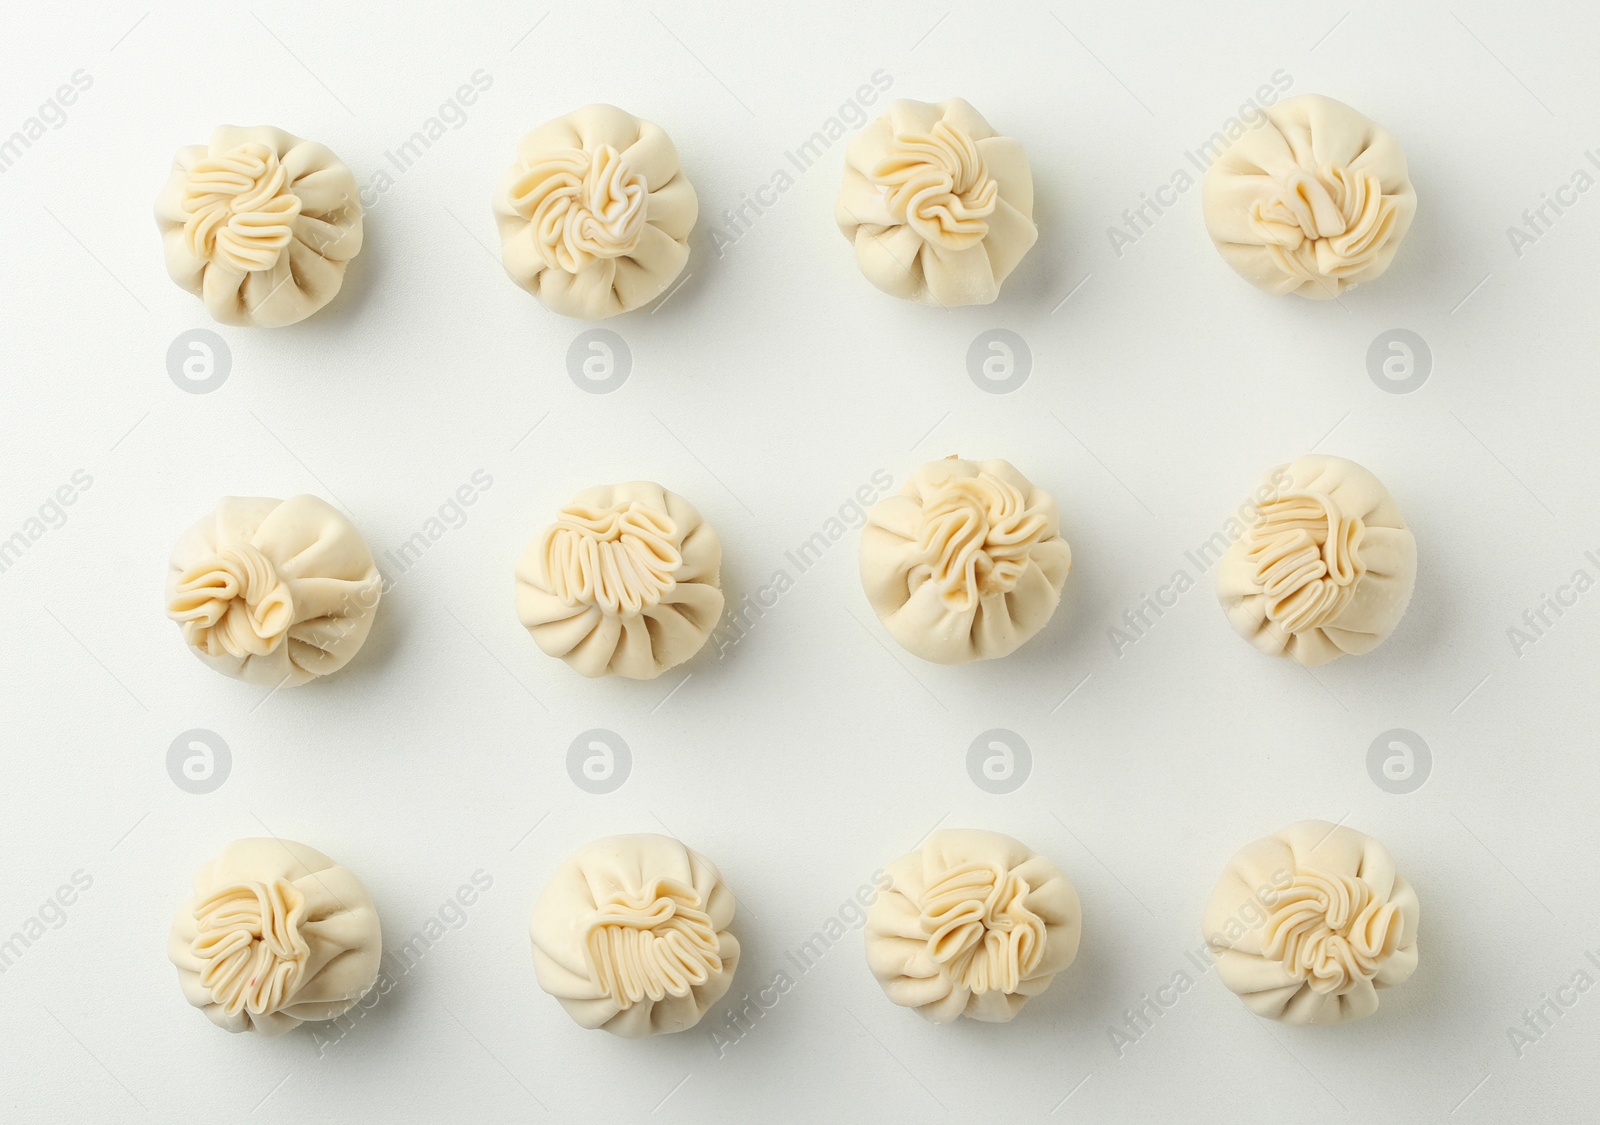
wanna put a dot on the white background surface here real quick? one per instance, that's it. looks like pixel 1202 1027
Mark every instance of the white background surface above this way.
pixel 767 389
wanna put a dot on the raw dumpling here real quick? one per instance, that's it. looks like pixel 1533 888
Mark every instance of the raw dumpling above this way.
pixel 276 935
pixel 259 224
pixel 1325 568
pixel 1313 201
pixel 972 924
pixel 631 936
pixel 1308 924
pixel 966 562
pixel 625 582
pixel 939 208
pixel 274 592
pixel 595 214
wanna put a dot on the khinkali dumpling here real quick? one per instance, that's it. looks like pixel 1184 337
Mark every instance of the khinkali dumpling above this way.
pixel 259 224
pixel 939 208
pixel 972 924
pixel 966 562
pixel 1325 568
pixel 595 214
pixel 1308 924
pixel 274 592
pixel 1312 201
pixel 631 935
pixel 276 935
pixel 625 582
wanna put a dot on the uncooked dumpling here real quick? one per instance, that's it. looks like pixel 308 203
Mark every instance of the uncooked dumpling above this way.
pixel 966 562
pixel 631 936
pixel 625 582
pixel 1325 568
pixel 1307 925
pixel 1313 201
pixel 595 214
pixel 275 592
pixel 938 207
pixel 276 935
pixel 259 224
pixel 971 924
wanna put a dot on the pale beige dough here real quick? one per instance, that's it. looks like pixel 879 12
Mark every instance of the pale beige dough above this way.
pixel 275 592
pixel 625 582
pixel 631 936
pixel 259 224
pixel 1314 200
pixel 966 562
pixel 595 213
pixel 1310 923
pixel 972 924
pixel 1325 568
pixel 276 935
pixel 938 207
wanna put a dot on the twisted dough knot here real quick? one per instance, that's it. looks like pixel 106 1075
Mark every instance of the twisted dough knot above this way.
pixel 1305 554
pixel 621 559
pixel 584 206
pixel 240 209
pixel 233 603
pixel 1330 223
pixel 976 536
pixel 657 943
pixel 250 944
pixel 980 931
pixel 1332 931
pixel 939 185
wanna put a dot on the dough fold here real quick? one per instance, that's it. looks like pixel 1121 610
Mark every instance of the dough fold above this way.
pixel 259 224
pixel 1313 201
pixel 595 213
pixel 971 924
pixel 631 936
pixel 938 207
pixel 276 935
pixel 1309 924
